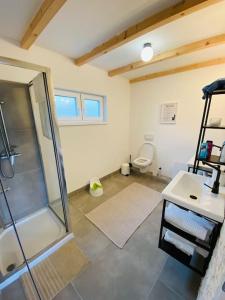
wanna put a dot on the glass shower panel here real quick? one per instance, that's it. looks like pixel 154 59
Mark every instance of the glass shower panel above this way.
pixel 47 274
pixel 33 191
pixel 28 170
pixel 44 123
pixel 12 259
pixel 20 163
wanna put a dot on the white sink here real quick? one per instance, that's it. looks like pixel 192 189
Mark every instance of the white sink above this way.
pixel 188 190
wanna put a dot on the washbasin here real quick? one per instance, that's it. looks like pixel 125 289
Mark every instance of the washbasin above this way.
pixel 188 190
pixel 189 187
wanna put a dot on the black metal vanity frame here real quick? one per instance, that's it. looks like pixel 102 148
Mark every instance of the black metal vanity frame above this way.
pixel 180 255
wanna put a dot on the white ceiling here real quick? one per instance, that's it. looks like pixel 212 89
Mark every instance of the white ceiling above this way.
pixel 183 31
pixel 84 24
pixel 15 15
pixel 81 25
pixel 199 56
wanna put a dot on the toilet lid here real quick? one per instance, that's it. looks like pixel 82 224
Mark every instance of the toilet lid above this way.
pixel 146 151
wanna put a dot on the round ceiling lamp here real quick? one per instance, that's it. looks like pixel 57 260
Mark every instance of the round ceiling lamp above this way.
pixel 147 52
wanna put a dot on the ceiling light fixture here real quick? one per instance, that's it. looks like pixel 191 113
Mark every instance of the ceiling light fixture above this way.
pixel 147 52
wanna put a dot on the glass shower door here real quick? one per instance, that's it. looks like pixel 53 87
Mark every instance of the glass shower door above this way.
pixel 49 146
pixel 47 274
pixel 32 210
pixel 16 281
pixel 15 276
pixel 33 213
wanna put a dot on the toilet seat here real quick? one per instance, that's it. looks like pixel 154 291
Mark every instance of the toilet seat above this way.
pixel 142 161
pixel 145 157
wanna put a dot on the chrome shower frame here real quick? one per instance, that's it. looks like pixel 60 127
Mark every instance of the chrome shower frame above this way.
pixel 46 72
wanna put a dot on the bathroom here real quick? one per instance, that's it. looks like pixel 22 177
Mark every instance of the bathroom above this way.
pixel 58 241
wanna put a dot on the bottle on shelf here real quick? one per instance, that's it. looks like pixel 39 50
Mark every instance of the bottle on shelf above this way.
pixel 222 155
pixel 203 153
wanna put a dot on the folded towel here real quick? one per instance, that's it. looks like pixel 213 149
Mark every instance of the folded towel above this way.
pixel 209 226
pixel 179 242
pixel 205 223
pixel 188 221
pixel 202 252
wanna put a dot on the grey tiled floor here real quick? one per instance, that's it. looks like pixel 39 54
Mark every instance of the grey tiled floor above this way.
pixel 139 271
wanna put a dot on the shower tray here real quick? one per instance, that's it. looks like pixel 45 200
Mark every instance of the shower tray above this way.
pixel 38 231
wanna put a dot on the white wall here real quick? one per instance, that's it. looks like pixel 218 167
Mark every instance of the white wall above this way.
pixel 88 151
pixel 175 144
pixel 211 286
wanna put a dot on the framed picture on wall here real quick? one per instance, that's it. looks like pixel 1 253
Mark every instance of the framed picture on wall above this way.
pixel 168 113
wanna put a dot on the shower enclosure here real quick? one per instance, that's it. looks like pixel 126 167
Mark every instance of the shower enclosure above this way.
pixel 33 197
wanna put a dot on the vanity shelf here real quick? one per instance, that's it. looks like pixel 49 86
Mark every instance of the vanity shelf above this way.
pixel 186 235
pixel 214 127
pixel 196 262
pixel 175 252
pixel 214 159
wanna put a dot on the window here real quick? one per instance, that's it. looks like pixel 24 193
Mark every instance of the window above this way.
pixel 78 108
pixel 92 107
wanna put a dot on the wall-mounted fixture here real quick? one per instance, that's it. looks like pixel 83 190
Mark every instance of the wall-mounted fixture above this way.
pixel 147 52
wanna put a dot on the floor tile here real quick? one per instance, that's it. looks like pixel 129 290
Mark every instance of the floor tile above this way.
pixel 69 261
pixel 14 291
pixel 161 292
pixel 132 272
pixel 89 238
pixel 180 278
pixel 68 293
pixel 115 275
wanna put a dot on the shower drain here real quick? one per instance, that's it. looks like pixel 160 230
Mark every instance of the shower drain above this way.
pixel 11 267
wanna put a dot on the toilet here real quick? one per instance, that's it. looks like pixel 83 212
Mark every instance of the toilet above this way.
pixel 145 157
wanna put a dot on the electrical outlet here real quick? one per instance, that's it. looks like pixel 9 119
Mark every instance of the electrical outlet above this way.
pixel 159 173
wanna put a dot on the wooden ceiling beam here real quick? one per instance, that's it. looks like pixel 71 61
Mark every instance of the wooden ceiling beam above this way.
pixel 203 64
pixel 185 49
pixel 164 17
pixel 47 11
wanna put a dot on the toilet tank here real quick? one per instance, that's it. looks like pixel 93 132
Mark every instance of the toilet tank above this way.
pixel 147 150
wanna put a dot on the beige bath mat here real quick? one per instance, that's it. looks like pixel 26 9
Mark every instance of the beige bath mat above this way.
pixel 120 216
pixel 55 272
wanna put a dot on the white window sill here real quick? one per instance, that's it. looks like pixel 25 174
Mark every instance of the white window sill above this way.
pixel 81 123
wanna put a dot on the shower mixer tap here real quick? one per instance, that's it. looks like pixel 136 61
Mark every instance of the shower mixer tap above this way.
pixel 9 150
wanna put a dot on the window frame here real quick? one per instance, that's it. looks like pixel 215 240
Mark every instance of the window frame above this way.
pixel 82 119
pixel 69 120
pixel 94 98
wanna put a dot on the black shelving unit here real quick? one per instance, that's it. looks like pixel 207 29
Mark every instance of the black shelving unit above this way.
pixel 196 262
pixel 216 88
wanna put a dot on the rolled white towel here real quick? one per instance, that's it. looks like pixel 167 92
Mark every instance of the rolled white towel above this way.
pixel 179 242
pixel 205 223
pixel 186 221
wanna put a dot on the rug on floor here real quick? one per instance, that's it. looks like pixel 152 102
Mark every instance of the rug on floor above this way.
pixel 120 216
pixel 55 272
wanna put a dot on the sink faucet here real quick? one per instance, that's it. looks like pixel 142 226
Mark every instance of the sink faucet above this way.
pixel 216 184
